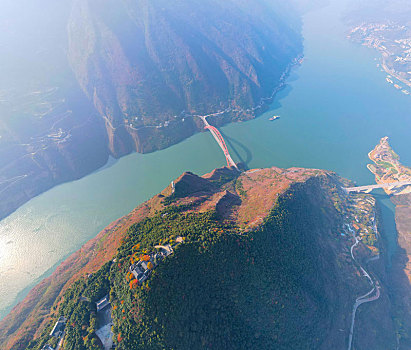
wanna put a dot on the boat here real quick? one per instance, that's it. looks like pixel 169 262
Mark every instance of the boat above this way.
pixel 274 117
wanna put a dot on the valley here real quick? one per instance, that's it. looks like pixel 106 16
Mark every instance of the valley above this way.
pixel 68 106
pixel 322 125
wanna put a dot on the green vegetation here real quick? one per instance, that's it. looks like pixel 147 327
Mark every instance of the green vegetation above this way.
pixel 240 189
pixel 78 306
pixel 219 289
pixel 384 164
pixel 369 239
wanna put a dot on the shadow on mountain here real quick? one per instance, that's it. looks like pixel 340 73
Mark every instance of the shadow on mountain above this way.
pixel 399 273
pixel 397 262
pixel 400 294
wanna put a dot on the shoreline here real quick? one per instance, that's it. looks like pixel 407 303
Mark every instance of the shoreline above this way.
pixel 393 73
pixel 257 109
pixel 4 311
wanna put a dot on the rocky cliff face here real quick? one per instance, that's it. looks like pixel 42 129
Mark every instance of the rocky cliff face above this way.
pixel 85 79
pixel 261 260
pixel 148 65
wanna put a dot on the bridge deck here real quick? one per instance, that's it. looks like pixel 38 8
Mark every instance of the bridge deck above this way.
pixel 220 140
pixel 372 187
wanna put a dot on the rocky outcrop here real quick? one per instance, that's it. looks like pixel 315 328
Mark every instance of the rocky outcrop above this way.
pixel 285 253
pixel 89 79
pixel 147 66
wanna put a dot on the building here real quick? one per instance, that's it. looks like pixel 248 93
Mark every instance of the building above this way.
pixel 102 303
pixel 140 270
pixel 58 328
pixel 104 323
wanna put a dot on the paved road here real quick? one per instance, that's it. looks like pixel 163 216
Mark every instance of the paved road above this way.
pixel 363 298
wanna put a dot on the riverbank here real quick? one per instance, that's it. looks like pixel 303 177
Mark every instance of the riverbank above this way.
pixel 316 118
pixel 393 72
pixel 81 209
pixel 387 168
pixel 17 190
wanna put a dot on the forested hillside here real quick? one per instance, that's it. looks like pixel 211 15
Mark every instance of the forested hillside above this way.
pixel 272 275
pixel 149 66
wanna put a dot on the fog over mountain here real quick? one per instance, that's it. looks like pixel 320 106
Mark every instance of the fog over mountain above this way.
pixel 82 80
pixel 294 245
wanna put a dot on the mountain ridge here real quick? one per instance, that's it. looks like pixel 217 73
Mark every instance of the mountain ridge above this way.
pixel 239 210
pixel 110 78
pixel 146 64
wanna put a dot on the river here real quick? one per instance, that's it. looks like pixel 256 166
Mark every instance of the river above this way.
pixel 334 110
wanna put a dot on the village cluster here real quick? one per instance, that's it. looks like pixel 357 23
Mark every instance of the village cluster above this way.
pixel 396 53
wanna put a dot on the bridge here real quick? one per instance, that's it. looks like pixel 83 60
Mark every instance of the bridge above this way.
pixel 220 140
pixel 367 189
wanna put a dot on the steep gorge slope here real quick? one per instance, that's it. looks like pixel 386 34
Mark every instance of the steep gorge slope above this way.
pixel 82 80
pixel 150 65
pixel 263 265
pixel 49 131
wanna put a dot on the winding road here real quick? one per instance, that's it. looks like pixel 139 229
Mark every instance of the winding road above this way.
pixel 363 298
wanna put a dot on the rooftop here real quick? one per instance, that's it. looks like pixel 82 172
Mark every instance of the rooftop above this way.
pixel 102 303
pixel 58 327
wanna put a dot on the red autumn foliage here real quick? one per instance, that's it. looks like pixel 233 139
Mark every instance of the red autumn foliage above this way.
pixel 146 257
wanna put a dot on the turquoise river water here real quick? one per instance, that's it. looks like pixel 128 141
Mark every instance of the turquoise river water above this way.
pixel 334 110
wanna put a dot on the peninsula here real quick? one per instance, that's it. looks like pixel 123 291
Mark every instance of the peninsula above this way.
pixel 387 167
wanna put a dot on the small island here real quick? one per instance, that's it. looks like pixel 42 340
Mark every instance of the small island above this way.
pixel 387 167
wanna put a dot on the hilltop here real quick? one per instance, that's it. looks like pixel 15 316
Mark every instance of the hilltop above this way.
pixel 85 80
pixel 258 259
